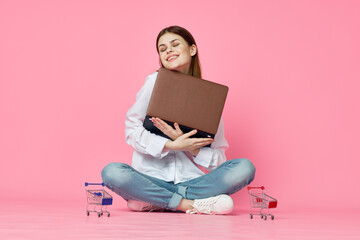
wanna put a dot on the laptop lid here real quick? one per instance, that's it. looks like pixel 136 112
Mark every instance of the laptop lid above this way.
pixel 192 102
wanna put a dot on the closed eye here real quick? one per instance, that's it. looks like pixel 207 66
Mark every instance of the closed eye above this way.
pixel 174 44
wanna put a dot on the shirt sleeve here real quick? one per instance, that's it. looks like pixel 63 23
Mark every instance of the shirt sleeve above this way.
pixel 136 135
pixel 214 156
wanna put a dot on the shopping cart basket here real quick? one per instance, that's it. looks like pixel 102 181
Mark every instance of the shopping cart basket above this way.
pixel 98 199
pixel 260 203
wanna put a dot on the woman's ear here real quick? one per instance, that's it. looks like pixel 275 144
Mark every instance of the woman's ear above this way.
pixel 193 50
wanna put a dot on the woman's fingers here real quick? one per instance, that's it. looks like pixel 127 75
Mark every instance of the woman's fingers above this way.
pixel 177 132
pixel 185 143
pixel 189 134
pixel 196 140
pixel 193 132
pixel 166 128
pixel 177 128
pixel 202 144
pixel 160 124
pixel 204 141
pixel 163 124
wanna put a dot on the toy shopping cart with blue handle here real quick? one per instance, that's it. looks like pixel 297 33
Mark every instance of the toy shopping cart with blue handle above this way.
pixel 260 203
pixel 97 199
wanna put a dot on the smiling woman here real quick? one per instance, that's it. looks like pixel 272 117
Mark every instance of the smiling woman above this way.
pixel 175 53
pixel 165 174
pixel 176 41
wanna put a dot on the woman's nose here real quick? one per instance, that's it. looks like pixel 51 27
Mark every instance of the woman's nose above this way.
pixel 169 49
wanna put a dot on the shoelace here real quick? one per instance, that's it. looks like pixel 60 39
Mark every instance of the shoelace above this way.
pixel 202 206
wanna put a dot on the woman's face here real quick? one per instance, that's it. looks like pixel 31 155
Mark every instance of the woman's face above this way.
pixel 175 53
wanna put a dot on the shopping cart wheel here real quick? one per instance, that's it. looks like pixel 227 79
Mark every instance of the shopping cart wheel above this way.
pixel 272 217
pixel 251 216
pixel 265 217
pixel 262 216
pixel 108 214
pixel 99 214
pixel 88 213
pixel 102 214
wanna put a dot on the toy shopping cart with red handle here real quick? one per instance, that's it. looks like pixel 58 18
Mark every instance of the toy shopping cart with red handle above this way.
pixel 98 199
pixel 260 202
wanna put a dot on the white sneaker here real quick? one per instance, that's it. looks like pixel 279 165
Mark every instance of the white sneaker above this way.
pixel 221 204
pixel 140 206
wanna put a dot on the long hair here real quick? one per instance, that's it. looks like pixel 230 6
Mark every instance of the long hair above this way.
pixel 195 69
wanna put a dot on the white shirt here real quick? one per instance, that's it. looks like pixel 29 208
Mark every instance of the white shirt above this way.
pixel 150 157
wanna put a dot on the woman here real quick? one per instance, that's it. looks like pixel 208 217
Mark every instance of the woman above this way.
pixel 165 174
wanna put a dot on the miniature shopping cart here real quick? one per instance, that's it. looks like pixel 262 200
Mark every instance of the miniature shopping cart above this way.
pixel 260 203
pixel 97 200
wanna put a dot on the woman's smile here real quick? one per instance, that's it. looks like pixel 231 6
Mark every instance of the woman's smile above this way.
pixel 172 57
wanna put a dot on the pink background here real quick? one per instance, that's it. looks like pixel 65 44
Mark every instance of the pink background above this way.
pixel 69 71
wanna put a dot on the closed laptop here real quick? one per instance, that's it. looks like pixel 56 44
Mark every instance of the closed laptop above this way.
pixel 192 102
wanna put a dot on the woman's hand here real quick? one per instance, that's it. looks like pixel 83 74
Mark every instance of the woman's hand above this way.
pixel 167 129
pixel 185 143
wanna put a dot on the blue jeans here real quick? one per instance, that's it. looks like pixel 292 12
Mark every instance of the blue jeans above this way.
pixel 228 178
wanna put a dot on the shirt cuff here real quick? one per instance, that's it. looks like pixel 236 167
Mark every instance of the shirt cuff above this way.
pixel 156 146
pixel 203 158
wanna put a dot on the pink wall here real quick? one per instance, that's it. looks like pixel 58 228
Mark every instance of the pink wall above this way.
pixel 69 70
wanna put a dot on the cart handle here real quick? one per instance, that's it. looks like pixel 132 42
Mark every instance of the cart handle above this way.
pixel 262 187
pixel 87 184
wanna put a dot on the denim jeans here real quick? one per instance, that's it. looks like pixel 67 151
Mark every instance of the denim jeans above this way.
pixel 228 178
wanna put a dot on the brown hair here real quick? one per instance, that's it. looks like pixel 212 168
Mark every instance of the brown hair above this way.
pixel 195 69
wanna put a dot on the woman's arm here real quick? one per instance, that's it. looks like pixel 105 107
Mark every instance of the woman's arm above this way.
pixel 180 142
pixel 185 143
pixel 209 158
pixel 212 157
pixel 136 135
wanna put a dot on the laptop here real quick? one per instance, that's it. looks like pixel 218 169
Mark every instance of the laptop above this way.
pixel 192 102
